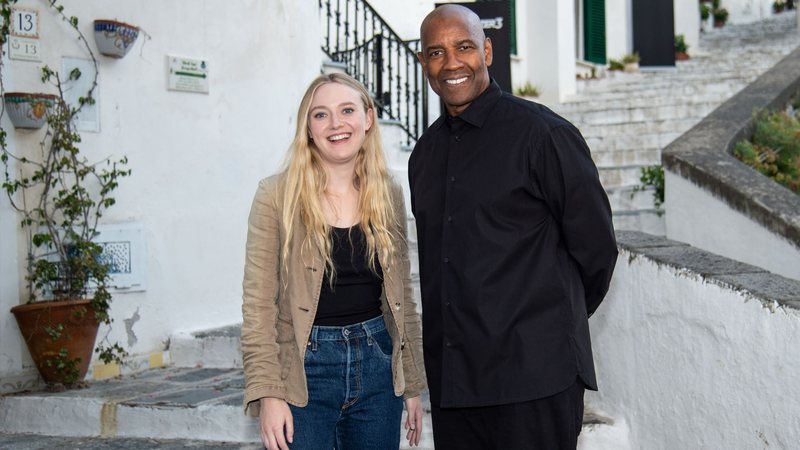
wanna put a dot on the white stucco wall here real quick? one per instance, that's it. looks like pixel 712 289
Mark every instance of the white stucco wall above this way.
pixel 723 230
pixel 689 364
pixel 746 11
pixel 550 53
pixel 196 158
pixel 619 31
pixel 687 22
pixel 404 17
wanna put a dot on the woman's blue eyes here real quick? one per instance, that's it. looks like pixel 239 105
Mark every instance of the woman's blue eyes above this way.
pixel 322 115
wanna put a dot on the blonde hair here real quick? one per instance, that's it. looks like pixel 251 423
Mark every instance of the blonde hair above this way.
pixel 305 181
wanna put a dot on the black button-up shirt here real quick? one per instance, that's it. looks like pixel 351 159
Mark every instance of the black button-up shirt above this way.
pixel 516 250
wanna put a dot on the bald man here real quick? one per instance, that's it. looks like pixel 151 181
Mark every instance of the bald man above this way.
pixel 516 250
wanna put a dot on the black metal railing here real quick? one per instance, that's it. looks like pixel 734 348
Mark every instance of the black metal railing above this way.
pixel 360 39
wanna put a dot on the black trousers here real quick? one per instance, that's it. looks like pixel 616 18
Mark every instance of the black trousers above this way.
pixel 550 423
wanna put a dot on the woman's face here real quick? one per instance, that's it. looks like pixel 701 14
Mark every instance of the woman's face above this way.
pixel 338 123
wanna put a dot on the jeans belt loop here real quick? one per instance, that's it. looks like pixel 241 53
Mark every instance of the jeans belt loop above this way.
pixel 313 338
pixel 368 332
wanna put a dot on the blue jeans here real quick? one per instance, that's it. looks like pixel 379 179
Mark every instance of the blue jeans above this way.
pixel 351 401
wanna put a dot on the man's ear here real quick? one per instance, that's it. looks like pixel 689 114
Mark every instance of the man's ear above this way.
pixel 487 51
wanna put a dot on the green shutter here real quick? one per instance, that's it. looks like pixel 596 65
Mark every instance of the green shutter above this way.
pixel 594 31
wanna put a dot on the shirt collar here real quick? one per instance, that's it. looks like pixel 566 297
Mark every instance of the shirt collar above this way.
pixel 478 111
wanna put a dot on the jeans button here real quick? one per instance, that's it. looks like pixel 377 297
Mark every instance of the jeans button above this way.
pixel 346 332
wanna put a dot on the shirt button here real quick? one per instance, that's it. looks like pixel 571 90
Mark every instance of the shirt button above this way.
pixel 458 138
pixel 452 179
pixel 449 218
pixel 447 304
pixel 397 306
pixel 448 344
pixel 446 260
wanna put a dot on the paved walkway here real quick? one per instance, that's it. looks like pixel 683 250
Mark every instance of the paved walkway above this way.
pixel 36 442
pixel 182 407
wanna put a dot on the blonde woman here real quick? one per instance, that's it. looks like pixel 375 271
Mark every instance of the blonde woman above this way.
pixel 331 335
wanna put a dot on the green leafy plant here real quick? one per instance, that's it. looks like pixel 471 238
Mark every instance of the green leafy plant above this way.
pixel 615 64
pixel 774 149
pixel 778 6
pixel 652 177
pixel 720 16
pixel 680 44
pixel 61 197
pixel 527 90
pixel 630 58
pixel 705 12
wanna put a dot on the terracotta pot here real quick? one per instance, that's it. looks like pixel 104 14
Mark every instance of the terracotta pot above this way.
pixel 28 109
pixel 77 338
pixel 681 56
pixel 114 38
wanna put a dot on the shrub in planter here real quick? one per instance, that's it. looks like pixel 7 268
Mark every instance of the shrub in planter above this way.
pixel 681 48
pixel 60 197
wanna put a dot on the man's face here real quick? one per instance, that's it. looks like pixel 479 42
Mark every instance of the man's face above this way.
pixel 455 58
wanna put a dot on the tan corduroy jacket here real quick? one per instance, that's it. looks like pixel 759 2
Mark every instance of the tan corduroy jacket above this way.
pixel 279 309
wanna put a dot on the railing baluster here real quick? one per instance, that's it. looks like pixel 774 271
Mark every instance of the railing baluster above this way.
pixel 375 55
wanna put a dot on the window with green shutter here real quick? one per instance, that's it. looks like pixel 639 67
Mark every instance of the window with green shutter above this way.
pixel 594 31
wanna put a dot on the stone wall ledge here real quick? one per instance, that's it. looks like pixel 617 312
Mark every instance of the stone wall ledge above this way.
pixel 703 155
pixel 764 286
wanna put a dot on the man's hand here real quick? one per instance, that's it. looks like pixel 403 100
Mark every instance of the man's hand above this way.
pixel 276 418
pixel 413 420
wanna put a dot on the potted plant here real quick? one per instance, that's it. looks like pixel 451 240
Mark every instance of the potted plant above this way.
pixel 778 6
pixel 681 48
pixel 705 14
pixel 60 197
pixel 631 62
pixel 720 17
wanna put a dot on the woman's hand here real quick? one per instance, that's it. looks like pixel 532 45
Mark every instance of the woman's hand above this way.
pixel 276 418
pixel 413 420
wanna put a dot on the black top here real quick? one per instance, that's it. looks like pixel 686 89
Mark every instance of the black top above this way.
pixel 516 250
pixel 356 293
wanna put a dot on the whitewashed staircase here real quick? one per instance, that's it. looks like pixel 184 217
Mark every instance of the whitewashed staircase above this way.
pixel 627 119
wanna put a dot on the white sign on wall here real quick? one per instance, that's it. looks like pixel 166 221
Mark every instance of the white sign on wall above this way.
pixel 24 49
pixel 24 22
pixel 23 39
pixel 125 252
pixel 188 74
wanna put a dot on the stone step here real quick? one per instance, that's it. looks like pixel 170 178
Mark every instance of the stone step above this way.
pixel 215 348
pixel 625 102
pixel 640 114
pixel 673 88
pixel 645 127
pixel 625 157
pixel 649 221
pixel 619 176
pixel 632 142
pixel 625 200
pixel 197 405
